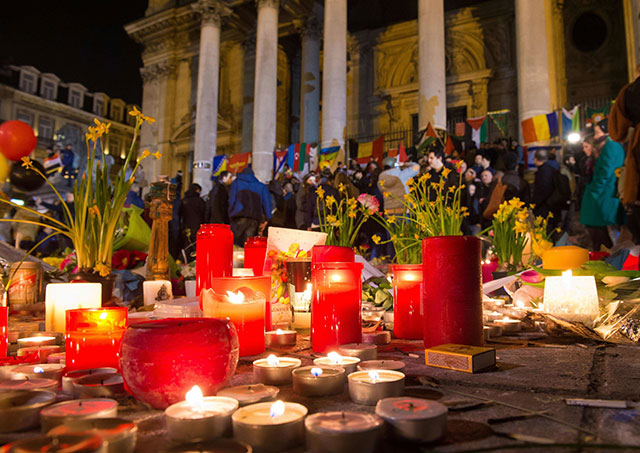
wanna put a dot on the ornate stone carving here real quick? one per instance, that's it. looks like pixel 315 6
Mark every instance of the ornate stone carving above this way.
pixel 267 3
pixel 211 11
pixel 158 72
pixel 310 27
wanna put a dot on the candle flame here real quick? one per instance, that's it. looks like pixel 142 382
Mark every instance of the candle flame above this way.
pixel 194 397
pixel 277 409
pixel 506 319
pixel 335 357
pixel 103 315
pixel 279 331
pixel 235 298
pixel 316 371
pixel 272 360
pixel 39 339
pixel 38 369
pixel 567 274
pixel 374 375
pixel 519 304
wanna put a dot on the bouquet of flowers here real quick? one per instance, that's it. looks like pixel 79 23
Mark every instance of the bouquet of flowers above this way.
pixel 510 233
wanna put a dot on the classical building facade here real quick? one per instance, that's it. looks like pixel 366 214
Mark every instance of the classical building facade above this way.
pixel 60 112
pixel 250 75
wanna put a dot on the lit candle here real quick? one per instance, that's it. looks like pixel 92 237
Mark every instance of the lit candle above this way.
pixel 275 370
pixel 336 315
pixel 250 394
pixel 242 272
pixel 246 309
pixel 155 291
pixel 105 385
pixel 71 376
pixel 367 387
pixel 198 418
pixel 299 286
pixel 272 427
pixel 118 435
pixel 333 358
pixel 50 385
pixel 407 305
pixel 414 419
pixel 360 350
pixel 28 342
pixel 491 315
pixel 59 413
pixel 21 410
pixel 44 371
pixel 572 298
pixel 93 337
pixel 343 432
pixel 281 337
pixel 509 325
pixel 318 381
pixel 396 365
pixel 65 296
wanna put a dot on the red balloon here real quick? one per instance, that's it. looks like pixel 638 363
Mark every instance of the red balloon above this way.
pixel 17 139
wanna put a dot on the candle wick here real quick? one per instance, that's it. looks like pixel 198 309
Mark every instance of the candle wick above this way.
pixel 80 403
pixel 343 420
pixel 101 381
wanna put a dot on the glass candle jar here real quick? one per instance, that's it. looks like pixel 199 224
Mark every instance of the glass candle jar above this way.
pixel 332 254
pixel 255 250
pixel 336 316
pixel 214 254
pixel 93 337
pixel 407 301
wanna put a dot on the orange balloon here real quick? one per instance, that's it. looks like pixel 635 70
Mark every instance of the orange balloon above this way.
pixel 17 139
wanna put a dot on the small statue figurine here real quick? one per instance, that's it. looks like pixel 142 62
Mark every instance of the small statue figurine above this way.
pixel 161 211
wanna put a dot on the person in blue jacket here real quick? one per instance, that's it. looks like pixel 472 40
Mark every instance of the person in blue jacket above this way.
pixel 600 203
pixel 249 206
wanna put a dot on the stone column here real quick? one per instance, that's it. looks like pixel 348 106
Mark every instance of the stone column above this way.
pixel 310 83
pixel 295 93
pixel 211 12
pixel 266 89
pixel 534 95
pixel 334 73
pixel 632 32
pixel 432 88
pixel 247 90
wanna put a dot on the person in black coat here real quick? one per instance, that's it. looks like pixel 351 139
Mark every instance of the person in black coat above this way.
pixel 217 206
pixel 191 214
pixel 543 183
pixel 517 187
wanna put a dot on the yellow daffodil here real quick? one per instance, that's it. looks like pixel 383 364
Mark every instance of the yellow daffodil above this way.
pixel 146 153
pixel 102 269
pixel 158 155
pixel 135 112
pixel 391 219
pixel 381 183
pixel 320 192
pixel 445 172
pixel 331 219
pixel 341 188
pixel 27 163
pixel 330 200
pixel 376 239
pixel 352 214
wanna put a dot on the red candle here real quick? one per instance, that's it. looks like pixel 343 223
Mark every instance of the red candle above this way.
pixel 407 301
pixel 452 291
pixel 245 308
pixel 255 251
pixel 488 267
pixel 162 360
pixel 336 308
pixel 4 330
pixel 93 337
pixel 261 284
pixel 214 254
pixel 332 254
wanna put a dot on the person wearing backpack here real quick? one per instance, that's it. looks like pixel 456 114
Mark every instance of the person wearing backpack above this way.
pixel 543 184
pixel 601 206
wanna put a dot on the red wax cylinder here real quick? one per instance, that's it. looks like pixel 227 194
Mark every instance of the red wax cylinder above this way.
pixel 452 291
pixel 214 254
pixel 4 330
pixel 255 251
pixel 336 307
pixel 332 254
pixel 261 284
pixel 162 360
pixel 407 301
pixel 93 337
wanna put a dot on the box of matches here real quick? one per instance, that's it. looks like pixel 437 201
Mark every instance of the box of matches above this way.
pixel 459 357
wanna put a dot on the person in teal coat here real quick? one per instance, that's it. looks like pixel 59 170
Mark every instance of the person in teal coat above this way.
pixel 600 203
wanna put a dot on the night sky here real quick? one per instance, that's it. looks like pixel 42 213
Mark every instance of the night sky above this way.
pixel 78 40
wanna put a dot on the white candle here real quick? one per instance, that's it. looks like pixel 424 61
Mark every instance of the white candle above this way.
pixel 275 370
pixel 367 387
pixel 61 297
pixel 318 381
pixel 118 435
pixel 280 337
pixel 509 325
pixel 414 419
pixel 44 371
pixel 21 410
pixel 36 341
pixel 29 384
pixel 333 358
pixel 343 431
pixel 572 298
pixel 250 394
pixel 58 414
pixel 156 291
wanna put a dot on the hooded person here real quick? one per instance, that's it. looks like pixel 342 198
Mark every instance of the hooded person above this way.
pixel 249 205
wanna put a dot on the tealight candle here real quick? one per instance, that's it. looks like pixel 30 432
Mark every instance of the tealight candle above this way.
pixel 367 387
pixel 379 337
pixel 70 377
pixel 572 298
pixel 414 419
pixel 118 435
pixel 333 358
pixel 198 418
pixel 61 297
pixel 509 325
pixel 44 370
pixel 270 427
pixel 360 350
pixel 75 442
pixel 281 337
pixel 343 432
pixel 29 384
pixel 43 351
pixel 395 365
pixel 491 315
pixel 36 341
pixel 492 331
pixel 318 381
pixel 98 386
pixel 250 394
pixel 60 413
pixel 57 357
pixel 20 410
pixel 155 291
pixel 275 370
